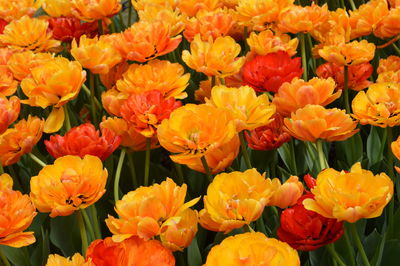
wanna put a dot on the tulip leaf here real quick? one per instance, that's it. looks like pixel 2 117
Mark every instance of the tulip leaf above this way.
pixel 17 256
pixel 374 147
pixel 351 150
pixel 391 254
pixel 41 253
pixel 320 257
pixel 64 234
pixel 193 254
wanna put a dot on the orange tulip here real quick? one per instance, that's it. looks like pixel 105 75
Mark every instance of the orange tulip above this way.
pixel 15 9
pixel 314 122
pixel 288 193
pixel 217 160
pixel 365 19
pixel 353 53
pixel 217 23
pixel 9 111
pixel 95 54
pixel 57 8
pixel 90 10
pixel 20 139
pixel 8 86
pixel 268 137
pixel 389 70
pixel 260 13
pixel 115 73
pixel 214 58
pixel 269 42
pixel 298 93
pixel 66 29
pixel 143 4
pixel 350 196
pixel 193 131
pixel 132 251
pixel 21 63
pixel 144 41
pixel 388 27
pixel 70 184
pixel 75 260
pixel 28 34
pixel 151 211
pixel 395 146
pixel 161 75
pixel 192 7
pixel 379 106
pixel 130 138
pixel 235 199
pixel 248 110
pixel 252 248
pixel 297 19
pixel 16 215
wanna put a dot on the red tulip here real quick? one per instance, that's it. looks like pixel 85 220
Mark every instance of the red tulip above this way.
pixel 83 140
pixel 3 24
pixel 307 230
pixel 67 28
pixel 269 72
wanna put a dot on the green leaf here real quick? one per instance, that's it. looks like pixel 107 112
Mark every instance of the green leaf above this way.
pixel 374 147
pixel 391 254
pixel 193 254
pixel 351 150
pixel 64 234
pixel 41 253
pixel 17 256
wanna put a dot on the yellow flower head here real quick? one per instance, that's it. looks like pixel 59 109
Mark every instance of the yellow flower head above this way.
pixel 260 13
pixel 350 196
pixel 143 4
pixel 192 7
pixel 90 10
pixel 95 54
pixel 352 53
pixel 235 199
pixel 161 75
pixel 22 63
pixel 15 9
pixel 16 215
pixel 389 70
pixel 70 184
pixel 195 130
pixel 379 106
pixel 314 122
pixel 151 211
pixel 57 8
pixel 28 34
pixel 252 248
pixel 20 139
pixel 269 42
pixel 9 111
pixel 297 19
pixel 214 58
pixel 298 93
pixel 249 110
pixel 55 82
pixel 213 24
pixel 75 260
pixel 8 86
pixel 288 193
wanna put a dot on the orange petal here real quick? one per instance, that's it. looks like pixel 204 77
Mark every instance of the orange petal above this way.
pixel 54 121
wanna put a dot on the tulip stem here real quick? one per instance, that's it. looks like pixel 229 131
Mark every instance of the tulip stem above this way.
pixel 4 259
pixel 389 141
pixel 206 168
pixel 37 160
pixel 118 175
pixel 179 173
pixel 247 228
pixel 147 162
pixel 129 13
pixel 346 89
pixel 1 169
pixel 87 91
pixel 82 230
pixel 133 170
pixel 100 26
pixel 356 237
pixel 88 224
pixel 349 249
pixel 213 80
pixel 353 6
pixel 331 249
pixel 244 150
pixel 321 155
pixel 397 49
pixel 303 56
pixel 121 21
pixel 92 98
pixel 222 81
pixel 97 230
pixel 67 122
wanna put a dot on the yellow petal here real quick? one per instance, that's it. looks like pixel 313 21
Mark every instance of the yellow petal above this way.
pixel 54 121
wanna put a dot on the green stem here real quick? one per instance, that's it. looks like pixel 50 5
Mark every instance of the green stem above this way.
pixel 4 259
pixel 179 174
pixel 92 98
pixel 314 62
pixel 67 121
pixel 247 228
pixel 118 175
pixel 222 81
pixel 87 91
pixel 244 150
pixel 349 248
pixel 133 169
pixel 331 249
pixel 346 89
pixel 397 49
pixel 389 151
pixel 100 25
pixel 113 29
pixel 293 156
pixel 245 35
pixel 356 237
pixel 88 224
pixel 82 230
pixel 213 81
pixel 353 6
pixel 1 169
pixel 130 13
pixel 206 168
pixel 321 155
pixel 147 162
pixel 121 21
pixel 37 160
pixel 97 230
pixel 303 56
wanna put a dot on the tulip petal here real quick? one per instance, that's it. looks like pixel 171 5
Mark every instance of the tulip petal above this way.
pixel 54 121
